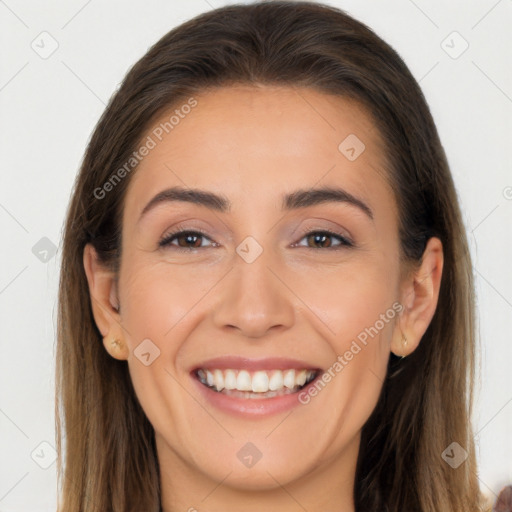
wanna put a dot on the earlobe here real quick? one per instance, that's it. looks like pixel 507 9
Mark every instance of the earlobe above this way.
pixel 117 348
pixel 103 292
pixel 420 295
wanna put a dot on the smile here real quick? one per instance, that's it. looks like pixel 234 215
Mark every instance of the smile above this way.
pixel 253 387
pixel 255 384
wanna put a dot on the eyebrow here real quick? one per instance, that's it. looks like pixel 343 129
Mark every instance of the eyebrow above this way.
pixel 301 198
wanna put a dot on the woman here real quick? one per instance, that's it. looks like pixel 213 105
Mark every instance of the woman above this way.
pixel 266 297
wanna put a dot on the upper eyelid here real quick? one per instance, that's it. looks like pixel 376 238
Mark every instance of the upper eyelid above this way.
pixel 187 224
pixel 331 231
pixel 180 231
pixel 345 240
pixel 342 232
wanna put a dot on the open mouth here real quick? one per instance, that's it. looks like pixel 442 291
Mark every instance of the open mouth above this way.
pixel 255 384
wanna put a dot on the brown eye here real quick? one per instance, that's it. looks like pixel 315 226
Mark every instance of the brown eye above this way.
pixel 323 240
pixel 186 239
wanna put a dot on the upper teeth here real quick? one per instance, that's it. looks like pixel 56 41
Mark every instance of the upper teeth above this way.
pixel 260 381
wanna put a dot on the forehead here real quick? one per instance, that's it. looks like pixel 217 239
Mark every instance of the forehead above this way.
pixel 261 141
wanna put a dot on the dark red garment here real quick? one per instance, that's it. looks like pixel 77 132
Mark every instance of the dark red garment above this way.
pixel 504 501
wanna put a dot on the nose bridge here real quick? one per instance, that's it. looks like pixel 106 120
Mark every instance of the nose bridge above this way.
pixel 252 299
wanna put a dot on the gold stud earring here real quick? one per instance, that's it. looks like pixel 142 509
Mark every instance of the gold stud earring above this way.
pixel 117 348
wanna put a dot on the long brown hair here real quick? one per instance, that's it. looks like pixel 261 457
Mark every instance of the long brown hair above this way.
pixel 110 459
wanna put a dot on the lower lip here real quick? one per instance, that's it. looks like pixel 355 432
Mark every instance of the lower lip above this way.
pixel 252 406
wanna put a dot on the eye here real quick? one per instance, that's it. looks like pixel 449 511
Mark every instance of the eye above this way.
pixel 324 239
pixel 187 240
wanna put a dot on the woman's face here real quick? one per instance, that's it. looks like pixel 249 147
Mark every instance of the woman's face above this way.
pixel 262 297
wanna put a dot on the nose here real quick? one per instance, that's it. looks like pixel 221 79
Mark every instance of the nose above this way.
pixel 254 298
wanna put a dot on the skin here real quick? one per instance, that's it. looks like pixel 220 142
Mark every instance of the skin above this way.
pixel 252 145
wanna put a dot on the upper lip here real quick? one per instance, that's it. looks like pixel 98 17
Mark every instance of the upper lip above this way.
pixel 253 364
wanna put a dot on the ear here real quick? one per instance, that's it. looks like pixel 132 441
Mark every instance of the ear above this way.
pixel 104 302
pixel 420 294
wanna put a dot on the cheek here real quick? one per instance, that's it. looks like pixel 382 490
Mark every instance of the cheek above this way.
pixel 160 305
pixel 155 308
pixel 360 348
pixel 353 307
pixel 157 299
pixel 349 300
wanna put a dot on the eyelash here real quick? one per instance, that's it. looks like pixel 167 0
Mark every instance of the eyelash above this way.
pixel 344 241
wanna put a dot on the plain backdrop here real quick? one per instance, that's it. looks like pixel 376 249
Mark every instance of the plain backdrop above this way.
pixel 49 103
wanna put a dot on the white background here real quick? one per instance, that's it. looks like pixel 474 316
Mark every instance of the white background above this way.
pixel 49 108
